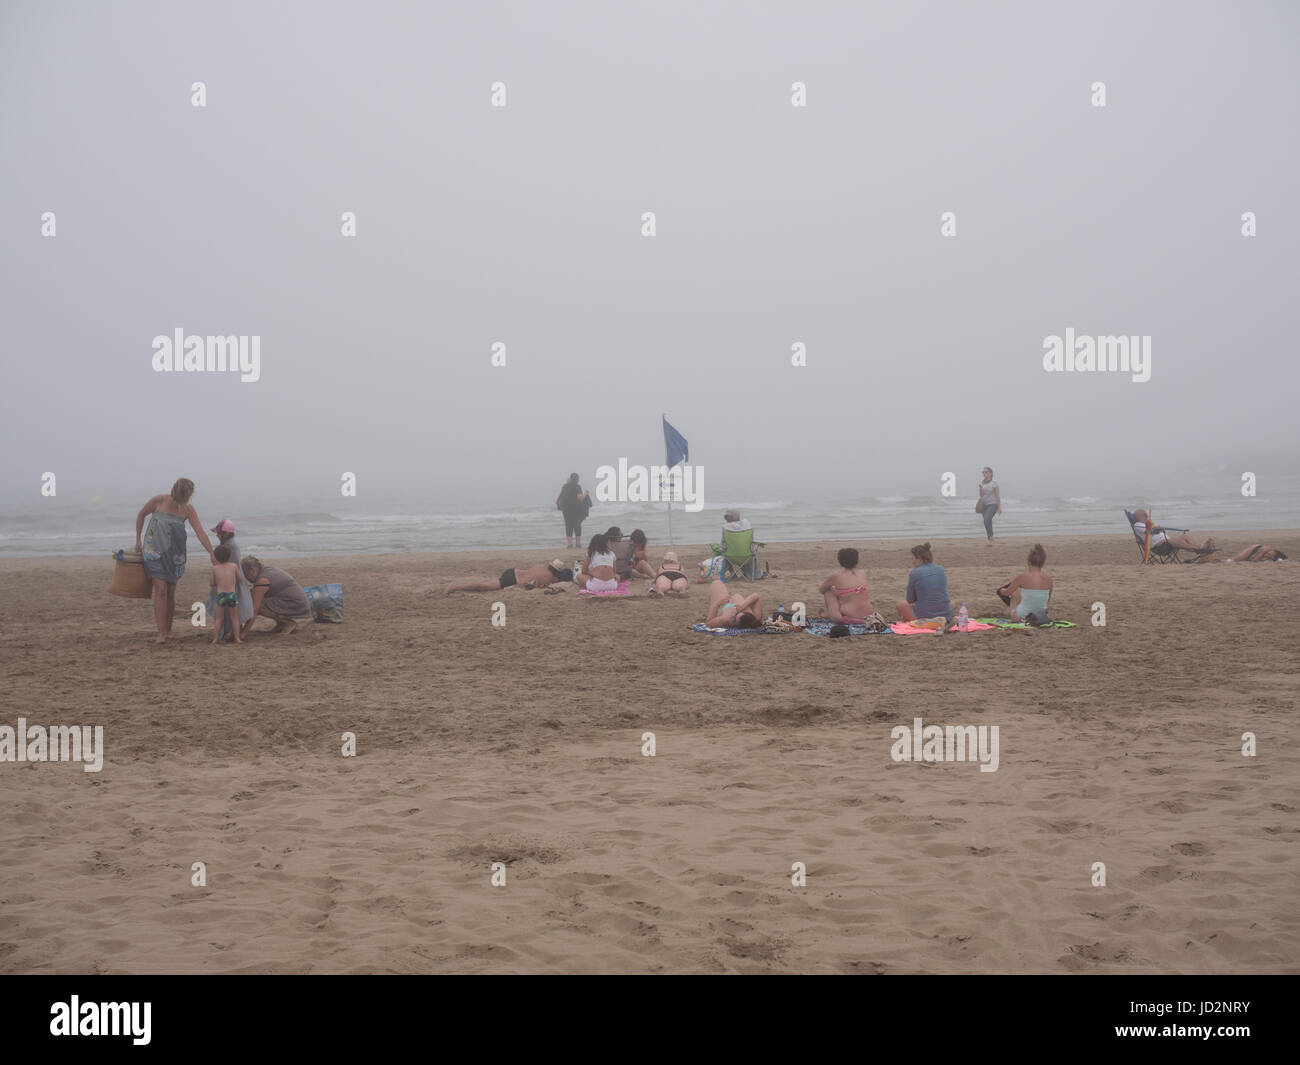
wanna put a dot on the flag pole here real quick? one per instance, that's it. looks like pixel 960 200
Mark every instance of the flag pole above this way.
pixel 669 500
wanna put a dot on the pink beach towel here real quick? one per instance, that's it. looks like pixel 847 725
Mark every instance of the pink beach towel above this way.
pixel 624 588
pixel 902 628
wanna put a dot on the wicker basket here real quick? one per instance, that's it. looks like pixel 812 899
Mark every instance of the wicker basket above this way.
pixel 129 578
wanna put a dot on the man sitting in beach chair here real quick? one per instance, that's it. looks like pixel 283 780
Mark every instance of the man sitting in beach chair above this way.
pixel 739 548
pixel 1165 543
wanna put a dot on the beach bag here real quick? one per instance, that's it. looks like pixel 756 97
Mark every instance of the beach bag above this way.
pixel 129 578
pixel 979 506
pixel 713 568
pixel 326 602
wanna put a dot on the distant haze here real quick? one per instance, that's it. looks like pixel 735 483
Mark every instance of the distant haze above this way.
pixel 522 224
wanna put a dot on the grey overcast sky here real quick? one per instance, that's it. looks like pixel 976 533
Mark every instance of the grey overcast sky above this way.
pixel 521 224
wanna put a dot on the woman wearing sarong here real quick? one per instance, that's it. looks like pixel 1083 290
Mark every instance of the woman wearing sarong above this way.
pixel 225 530
pixel 161 543
pixel 276 595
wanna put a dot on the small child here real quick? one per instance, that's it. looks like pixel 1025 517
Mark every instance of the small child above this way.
pixel 225 582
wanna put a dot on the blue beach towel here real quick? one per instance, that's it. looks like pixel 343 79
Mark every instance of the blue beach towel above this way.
pixel 699 626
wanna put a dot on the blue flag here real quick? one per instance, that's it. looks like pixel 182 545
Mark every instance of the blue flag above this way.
pixel 675 443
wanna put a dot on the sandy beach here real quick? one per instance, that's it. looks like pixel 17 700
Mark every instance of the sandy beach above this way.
pixel 522 744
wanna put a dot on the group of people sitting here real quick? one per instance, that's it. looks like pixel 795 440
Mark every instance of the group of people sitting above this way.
pixel 848 598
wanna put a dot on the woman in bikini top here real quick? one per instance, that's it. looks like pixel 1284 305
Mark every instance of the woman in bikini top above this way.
pixel 845 592
pixel 732 611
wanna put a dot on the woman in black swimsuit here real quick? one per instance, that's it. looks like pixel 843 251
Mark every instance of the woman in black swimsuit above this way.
pixel 670 577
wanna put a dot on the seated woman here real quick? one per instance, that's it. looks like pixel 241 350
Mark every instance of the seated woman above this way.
pixel 539 576
pixel 1260 553
pixel 927 588
pixel 599 575
pixel 670 577
pixel 847 597
pixel 1161 536
pixel 276 595
pixel 728 610
pixel 640 563
pixel 1026 594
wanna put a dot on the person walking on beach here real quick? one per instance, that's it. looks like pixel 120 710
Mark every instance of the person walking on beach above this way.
pixel 989 503
pixel 161 544
pixel 575 505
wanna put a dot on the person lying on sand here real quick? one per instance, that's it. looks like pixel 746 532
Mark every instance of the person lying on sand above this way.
pixel 1260 553
pixel 846 593
pixel 1161 535
pixel 1026 594
pixel 539 576
pixel 670 577
pixel 729 610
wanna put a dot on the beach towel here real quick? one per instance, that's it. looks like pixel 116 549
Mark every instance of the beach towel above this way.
pixel 326 602
pixel 699 626
pixel 1007 623
pixel 823 626
pixel 164 547
pixel 903 628
pixel 624 588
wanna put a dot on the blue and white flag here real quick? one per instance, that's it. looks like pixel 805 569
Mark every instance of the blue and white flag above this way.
pixel 678 449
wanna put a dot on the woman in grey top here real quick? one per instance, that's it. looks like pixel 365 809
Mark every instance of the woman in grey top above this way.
pixel 276 595
pixel 990 501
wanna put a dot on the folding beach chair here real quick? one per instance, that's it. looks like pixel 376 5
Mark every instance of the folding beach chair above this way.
pixel 1161 553
pixel 623 551
pixel 740 550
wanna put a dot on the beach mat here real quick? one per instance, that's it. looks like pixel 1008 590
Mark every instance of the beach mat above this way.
pixel 700 627
pixel 1007 623
pixel 823 626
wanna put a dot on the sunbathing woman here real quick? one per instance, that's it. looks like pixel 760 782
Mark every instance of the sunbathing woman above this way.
pixel 641 566
pixel 728 610
pixel 1260 553
pixel 847 597
pixel 1026 594
pixel 538 576
pixel 670 577
pixel 599 575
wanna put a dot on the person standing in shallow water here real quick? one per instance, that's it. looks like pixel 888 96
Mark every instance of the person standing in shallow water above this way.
pixel 161 543
pixel 990 501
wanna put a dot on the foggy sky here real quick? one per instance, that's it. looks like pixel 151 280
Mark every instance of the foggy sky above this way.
pixel 522 225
